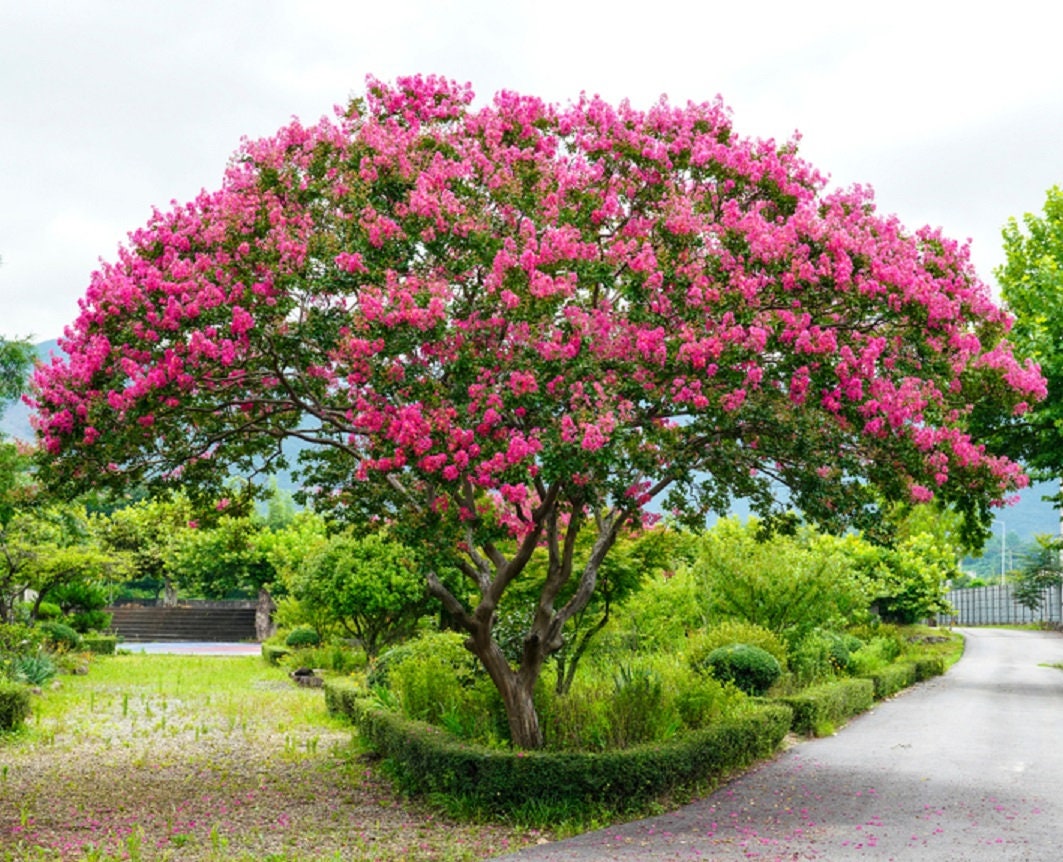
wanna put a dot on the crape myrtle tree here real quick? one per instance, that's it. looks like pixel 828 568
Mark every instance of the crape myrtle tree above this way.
pixel 495 325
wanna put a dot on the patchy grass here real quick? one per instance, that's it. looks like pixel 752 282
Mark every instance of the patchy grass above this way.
pixel 155 757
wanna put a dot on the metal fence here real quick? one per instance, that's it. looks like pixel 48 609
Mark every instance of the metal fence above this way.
pixel 985 606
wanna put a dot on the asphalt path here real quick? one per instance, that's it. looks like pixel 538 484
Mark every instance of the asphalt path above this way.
pixel 192 648
pixel 968 766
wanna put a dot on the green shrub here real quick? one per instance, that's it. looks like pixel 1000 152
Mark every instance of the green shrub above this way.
pixel 637 712
pixel 379 675
pixel 17 638
pixel 302 636
pixel 840 646
pixel 33 668
pixel 432 678
pixel 60 635
pixel 733 632
pixel 48 611
pixel 811 661
pixel 829 704
pixel 426 760
pixel 89 621
pixel 273 654
pixel 704 701
pixel 334 657
pixel 876 654
pixel 750 668
pixel 14 705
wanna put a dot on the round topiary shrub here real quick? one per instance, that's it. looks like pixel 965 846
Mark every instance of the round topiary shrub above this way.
pixel 750 668
pixel 728 632
pixel 302 636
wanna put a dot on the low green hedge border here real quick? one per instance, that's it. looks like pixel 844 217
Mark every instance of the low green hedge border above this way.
pixel 426 759
pixel 100 644
pixel 835 702
pixel 892 678
pixel 829 704
pixel 14 705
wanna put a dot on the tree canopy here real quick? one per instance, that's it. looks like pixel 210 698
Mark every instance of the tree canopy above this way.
pixel 1031 282
pixel 496 324
pixel 16 359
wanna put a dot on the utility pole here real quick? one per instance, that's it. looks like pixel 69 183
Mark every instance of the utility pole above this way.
pixel 1003 550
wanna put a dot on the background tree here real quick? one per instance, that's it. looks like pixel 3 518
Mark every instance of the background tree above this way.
pixel 508 322
pixel 226 559
pixel 146 531
pixel 1041 570
pixel 1031 282
pixel 789 586
pixel 371 587
pixel 16 359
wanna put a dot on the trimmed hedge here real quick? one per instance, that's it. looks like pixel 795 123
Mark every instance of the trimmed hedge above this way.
pixel 100 644
pixel 426 759
pixel 926 668
pixel 14 705
pixel 892 678
pixel 829 704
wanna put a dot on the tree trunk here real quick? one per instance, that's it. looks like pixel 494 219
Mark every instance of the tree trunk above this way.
pixel 264 627
pixel 516 689
pixel 524 729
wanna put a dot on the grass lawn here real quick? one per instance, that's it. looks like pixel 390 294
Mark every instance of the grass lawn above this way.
pixel 153 757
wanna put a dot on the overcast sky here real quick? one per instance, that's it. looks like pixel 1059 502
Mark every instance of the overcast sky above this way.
pixel 108 108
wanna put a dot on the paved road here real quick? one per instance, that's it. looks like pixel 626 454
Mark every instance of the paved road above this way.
pixel 193 648
pixel 968 766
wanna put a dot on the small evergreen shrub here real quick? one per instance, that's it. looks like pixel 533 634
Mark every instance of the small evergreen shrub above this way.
pixel 302 636
pixel 17 638
pixel 84 622
pixel 811 662
pixel 60 635
pixel 14 705
pixel 379 675
pixel 733 632
pixel 840 646
pixel 750 668
pixel 928 667
pixel 706 700
pixel 873 656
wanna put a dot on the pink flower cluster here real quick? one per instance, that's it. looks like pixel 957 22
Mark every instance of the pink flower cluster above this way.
pixel 498 300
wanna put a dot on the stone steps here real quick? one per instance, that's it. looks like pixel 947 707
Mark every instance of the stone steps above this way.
pixel 138 624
